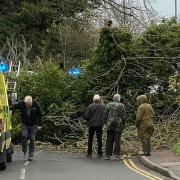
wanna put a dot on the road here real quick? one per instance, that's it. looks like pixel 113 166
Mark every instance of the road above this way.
pixel 55 166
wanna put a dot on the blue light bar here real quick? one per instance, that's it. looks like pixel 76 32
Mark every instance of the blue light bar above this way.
pixel 74 72
pixel 4 68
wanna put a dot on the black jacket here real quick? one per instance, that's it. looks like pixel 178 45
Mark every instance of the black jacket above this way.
pixel 95 114
pixel 35 114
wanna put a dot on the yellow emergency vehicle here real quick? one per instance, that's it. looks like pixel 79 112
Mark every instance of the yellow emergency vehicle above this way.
pixel 6 148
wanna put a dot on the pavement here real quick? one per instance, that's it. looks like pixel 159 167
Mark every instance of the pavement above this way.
pixel 165 162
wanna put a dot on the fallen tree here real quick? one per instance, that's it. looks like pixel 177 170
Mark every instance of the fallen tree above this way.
pixel 74 139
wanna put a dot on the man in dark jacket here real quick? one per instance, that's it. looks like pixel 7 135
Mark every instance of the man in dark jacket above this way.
pixel 95 117
pixel 31 121
pixel 115 117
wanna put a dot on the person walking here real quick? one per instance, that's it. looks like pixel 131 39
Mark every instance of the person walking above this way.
pixel 115 118
pixel 144 123
pixel 31 117
pixel 95 118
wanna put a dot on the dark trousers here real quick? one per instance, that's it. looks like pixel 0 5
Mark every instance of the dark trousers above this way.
pixel 92 131
pixel 28 133
pixel 113 137
pixel 146 145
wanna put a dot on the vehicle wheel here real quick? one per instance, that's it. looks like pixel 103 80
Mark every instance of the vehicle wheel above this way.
pixel 3 163
pixel 9 153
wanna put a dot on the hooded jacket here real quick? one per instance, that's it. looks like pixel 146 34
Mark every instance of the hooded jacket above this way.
pixel 144 118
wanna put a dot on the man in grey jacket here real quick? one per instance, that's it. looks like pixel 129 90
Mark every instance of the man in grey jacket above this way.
pixel 95 118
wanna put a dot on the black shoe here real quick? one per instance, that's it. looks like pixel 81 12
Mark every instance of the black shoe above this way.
pixel 25 155
pixel 117 158
pixel 107 158
pixel 89 156
pixel 145 154
pixel 99 156
pixel 30 158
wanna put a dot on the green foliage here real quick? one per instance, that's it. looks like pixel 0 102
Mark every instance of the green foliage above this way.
pixel 50 85
pixel 162 40
pixel 58 93
pixel 16 128
pixel 113 45
pixel 176 148
pixel 68 44
pixel 33 19
pixel 120 62
pixel 133 66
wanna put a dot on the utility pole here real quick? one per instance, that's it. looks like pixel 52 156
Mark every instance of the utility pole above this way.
pixel 176 18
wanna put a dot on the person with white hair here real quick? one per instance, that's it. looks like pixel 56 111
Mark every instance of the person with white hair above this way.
pixel 95 118
pixel 115 118
pixel 31 117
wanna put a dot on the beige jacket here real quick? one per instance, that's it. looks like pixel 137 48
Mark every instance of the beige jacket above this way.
pixel 144 118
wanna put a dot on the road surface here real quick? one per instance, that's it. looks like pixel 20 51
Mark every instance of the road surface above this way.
pixel 56 166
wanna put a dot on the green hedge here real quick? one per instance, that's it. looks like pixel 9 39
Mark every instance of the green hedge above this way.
pixel 176 148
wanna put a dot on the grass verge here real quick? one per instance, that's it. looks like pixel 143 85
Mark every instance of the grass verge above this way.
pixel 176 148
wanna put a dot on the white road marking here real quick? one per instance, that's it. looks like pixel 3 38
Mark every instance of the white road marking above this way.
pixel 23 172
pixel 38 152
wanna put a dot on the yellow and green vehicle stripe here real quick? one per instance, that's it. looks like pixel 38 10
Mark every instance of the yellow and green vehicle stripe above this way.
pixel 5 134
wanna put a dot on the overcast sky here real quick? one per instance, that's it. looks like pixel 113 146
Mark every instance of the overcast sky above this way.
pixel 166 8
